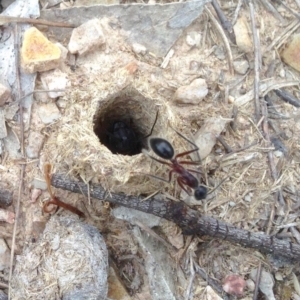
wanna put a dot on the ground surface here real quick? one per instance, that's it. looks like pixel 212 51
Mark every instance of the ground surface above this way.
pixel 248 199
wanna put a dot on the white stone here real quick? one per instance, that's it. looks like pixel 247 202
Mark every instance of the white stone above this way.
pixel 55 80
pixel 86 37
pixel 35 143
pixel 193 93
pixel 247 198
pixel 4 94
pixel 139 49
pixel 241 66
pixel 193 38
pixel 48 113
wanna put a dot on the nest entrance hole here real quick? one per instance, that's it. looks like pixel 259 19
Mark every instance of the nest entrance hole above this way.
pixel 123 121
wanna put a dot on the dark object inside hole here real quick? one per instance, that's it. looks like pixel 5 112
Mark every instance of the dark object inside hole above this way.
pixel 123 139
pixel 119 136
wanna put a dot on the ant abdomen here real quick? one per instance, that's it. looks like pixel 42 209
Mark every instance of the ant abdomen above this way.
pixel 162 148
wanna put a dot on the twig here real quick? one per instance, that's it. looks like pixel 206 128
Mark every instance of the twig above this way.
pixel 192 278
pixel 190 221
pixel 257 281
pixel 295 14
pixel 33 92
pixel 9 19
pixel 227 26
pixel 272 10
pixel 212 282
pixel 228 149
pixel 224 38
pixel 154 234
pixel 257 61
pixel 235 111
pixel 287 97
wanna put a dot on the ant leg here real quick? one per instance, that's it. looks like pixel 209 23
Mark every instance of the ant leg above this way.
pixel 185 138
pixel 189 141
pixel 181 184
pixel 195 171
pixel 189 162
pixel 160 178
pixel 158 160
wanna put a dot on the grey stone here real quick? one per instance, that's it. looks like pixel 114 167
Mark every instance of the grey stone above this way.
pixel 157 27
pixel 39 184
pixel 87 37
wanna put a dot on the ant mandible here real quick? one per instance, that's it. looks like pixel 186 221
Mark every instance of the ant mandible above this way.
pixel 165 150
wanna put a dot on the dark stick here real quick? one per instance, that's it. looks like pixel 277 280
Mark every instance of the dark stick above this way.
pixel 224 21
pixel 5 198
pixel 190 221
pixel 287 97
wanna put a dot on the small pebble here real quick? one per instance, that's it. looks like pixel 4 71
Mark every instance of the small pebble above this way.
pixel 193 38
pixel 139 49
pixel 194 65
pixel 48 113
pixel 247 198
pixel 241 66
pixel 278 276
pixel 231 99
pixel 282 73
pixel 193 93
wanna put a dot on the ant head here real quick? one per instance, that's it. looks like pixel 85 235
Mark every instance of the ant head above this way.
pixel 162 148
pixel 200 192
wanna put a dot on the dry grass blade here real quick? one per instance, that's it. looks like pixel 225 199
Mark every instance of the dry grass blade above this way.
pixel 220 30
pixel 281 38
pixel 22 172
pixel 273 10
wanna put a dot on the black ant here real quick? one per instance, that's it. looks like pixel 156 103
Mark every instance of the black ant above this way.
pixel 165 150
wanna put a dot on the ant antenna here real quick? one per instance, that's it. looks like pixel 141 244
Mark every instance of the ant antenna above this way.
pixel 156 117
